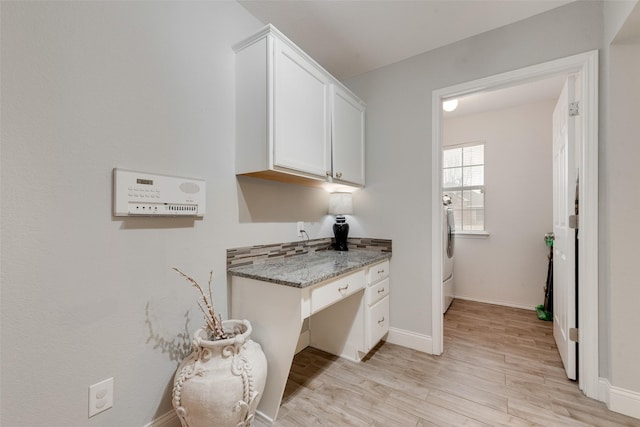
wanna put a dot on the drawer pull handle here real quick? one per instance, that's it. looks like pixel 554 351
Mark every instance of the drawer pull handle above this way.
pixel 380 290
pixel 381 321
pixel 380 271
pixel 342 290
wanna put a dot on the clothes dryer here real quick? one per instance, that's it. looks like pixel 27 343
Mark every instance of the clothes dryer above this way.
pixel 448 244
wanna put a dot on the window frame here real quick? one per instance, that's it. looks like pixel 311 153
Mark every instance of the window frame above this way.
pixel 462 188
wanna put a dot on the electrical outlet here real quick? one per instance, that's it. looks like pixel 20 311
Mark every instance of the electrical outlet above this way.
pixel 100 397
pixel 300 228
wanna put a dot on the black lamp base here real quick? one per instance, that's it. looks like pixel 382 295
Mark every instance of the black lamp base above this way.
pixel 340 232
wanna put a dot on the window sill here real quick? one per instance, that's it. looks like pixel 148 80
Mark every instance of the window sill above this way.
pixel 472 234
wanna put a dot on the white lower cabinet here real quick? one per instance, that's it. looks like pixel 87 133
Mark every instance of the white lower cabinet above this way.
pixel 377 304
pixel 347 316
pixel 377 322
pixel 334 291
pixel 377 291
pixel 353 327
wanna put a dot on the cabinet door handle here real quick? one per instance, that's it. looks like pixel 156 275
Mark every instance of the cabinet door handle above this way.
pixel 328 173
pixel 338 174
pixel 381 321
pixel 380 271
pixel 380 290
pixel 341 290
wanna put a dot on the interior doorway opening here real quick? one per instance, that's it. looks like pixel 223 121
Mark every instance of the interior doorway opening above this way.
pixel 584 65
pixel 498 174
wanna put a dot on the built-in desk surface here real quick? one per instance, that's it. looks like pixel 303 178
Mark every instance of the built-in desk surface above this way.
pixel 306 270
pixel 276 296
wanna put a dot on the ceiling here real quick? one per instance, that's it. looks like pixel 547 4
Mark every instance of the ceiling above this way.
pixel 528 93
pixel 349 38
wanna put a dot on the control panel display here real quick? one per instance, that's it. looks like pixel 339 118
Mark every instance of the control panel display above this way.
pixel 146 194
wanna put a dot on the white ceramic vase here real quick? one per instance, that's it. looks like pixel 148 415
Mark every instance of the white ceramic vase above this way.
pixel 221 382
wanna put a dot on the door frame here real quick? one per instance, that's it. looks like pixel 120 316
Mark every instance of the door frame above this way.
pixel 585 64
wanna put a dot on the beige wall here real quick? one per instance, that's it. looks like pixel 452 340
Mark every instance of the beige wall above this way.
pixel 86 87
pixel 399 133
pixel 509 266
pixel 397 201
pixel 624 205
pixel 615 13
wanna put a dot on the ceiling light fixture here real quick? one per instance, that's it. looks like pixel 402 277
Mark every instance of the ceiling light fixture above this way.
pixel 450 105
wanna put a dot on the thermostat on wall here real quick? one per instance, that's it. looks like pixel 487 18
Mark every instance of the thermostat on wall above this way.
pixel 147 194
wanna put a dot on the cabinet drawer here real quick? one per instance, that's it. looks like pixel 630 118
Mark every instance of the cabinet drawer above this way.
pixel 377 272
pixel 378 321
pixel 378 291
pixel 332 292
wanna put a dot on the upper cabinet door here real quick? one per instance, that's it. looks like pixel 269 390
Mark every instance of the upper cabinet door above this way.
pixel 302 127
pixel 294 121
pixel 347 129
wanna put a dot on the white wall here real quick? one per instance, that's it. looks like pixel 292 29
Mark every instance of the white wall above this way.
pixel 615 14
pixel 509 266
pixel 398 198
pixel 624 206
pixel 399 137
pixel 86 87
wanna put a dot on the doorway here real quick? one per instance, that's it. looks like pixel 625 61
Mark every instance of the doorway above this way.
pixel 584 65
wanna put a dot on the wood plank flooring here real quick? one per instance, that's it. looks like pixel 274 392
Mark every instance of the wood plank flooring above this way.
pixel 500 368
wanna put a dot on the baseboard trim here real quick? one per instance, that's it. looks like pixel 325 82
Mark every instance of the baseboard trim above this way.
pixel 263 418
pixel 410 339
pixel 502 303
pixel 626 402
pixel 170 419
pixel 603 390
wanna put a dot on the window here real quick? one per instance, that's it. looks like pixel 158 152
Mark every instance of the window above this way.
pixel 463 181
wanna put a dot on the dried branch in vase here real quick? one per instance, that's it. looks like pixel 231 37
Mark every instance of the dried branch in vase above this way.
pixel 213 322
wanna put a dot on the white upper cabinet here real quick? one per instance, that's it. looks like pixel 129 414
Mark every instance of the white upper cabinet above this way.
pixel 347 136
pixel 302 138
pixel 294 121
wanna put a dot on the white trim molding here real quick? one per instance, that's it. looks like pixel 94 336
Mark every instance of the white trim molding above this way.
pixel 169 419
pixel 472 234
pixel 410 339
pixel 586 65
pixel 501 303
pixel 603 390
pixel 620 400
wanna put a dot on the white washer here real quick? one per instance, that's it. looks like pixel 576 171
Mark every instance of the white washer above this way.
pixel 447 267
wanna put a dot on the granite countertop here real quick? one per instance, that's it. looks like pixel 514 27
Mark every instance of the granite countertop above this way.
pixel 305 270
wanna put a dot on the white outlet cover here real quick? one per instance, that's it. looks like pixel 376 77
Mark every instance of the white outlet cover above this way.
pixel 100 397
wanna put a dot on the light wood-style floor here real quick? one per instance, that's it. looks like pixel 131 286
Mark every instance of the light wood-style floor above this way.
pixel 500 368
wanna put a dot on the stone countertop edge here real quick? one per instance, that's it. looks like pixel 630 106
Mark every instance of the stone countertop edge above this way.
pixel 306 270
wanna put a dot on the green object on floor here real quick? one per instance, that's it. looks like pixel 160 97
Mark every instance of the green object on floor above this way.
pixel 548 239
pixel 543 314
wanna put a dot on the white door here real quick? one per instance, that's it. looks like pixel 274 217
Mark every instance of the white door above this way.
pixel 564 185
pixel 301 113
